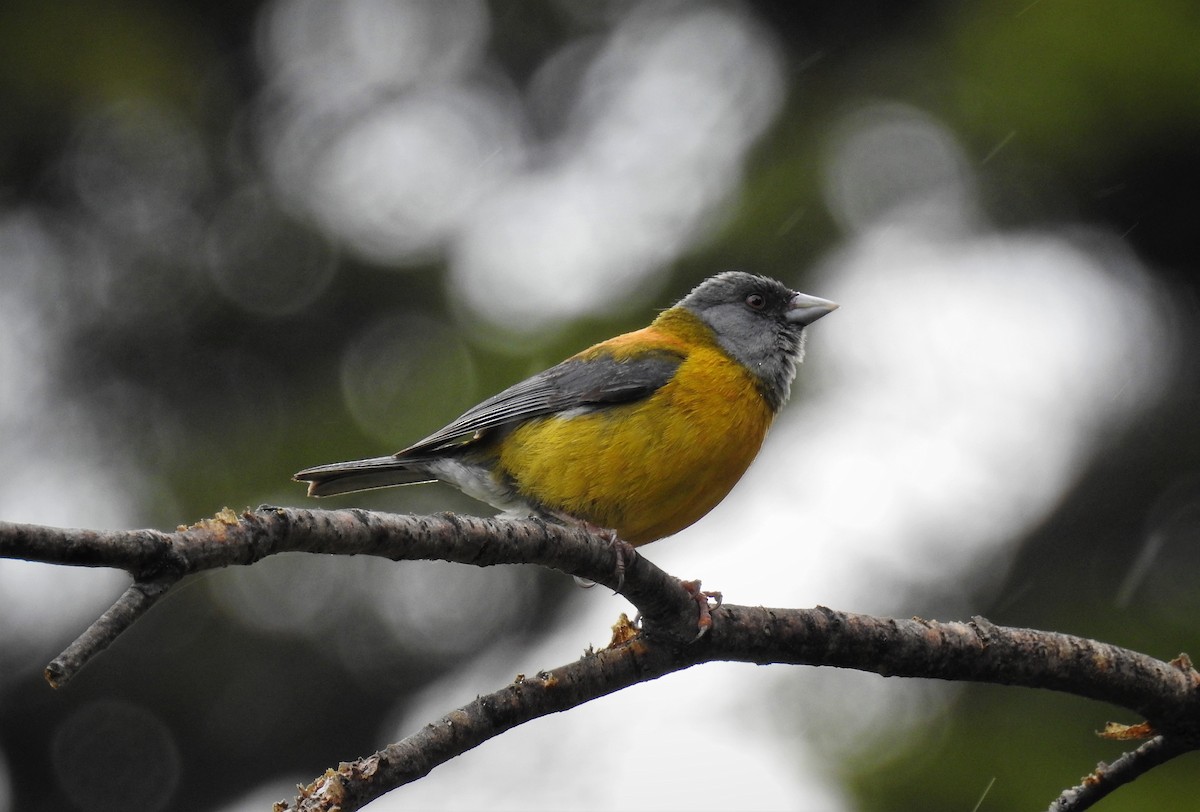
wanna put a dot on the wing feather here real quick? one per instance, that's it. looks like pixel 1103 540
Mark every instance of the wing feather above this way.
pixel 580 382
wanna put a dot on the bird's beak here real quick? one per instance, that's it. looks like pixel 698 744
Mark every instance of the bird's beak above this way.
pixel 805 309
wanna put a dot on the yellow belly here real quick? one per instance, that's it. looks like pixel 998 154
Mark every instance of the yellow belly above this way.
pixel 650 468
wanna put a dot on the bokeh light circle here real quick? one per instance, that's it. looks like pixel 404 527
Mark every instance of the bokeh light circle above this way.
pixel 406 374
pixel 113 756
pixel 261 261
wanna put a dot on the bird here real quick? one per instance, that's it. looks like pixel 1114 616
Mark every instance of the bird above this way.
pixel 638 436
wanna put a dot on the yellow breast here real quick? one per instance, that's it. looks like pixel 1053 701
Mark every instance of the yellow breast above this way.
pixel 649 468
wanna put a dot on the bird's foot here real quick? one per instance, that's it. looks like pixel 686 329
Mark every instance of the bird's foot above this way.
pixel 623 552
pixel 706 603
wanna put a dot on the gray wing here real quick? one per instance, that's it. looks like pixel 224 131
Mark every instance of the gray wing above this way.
pixel 575 383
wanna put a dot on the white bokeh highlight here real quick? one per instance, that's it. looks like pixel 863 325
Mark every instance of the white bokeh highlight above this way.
pixel 422 151
pixel 380 123
pixel 61 474
pixel 400 184
pixel 664 115
pixel 329 53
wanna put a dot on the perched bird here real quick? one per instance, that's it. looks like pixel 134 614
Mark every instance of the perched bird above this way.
pixel 641 434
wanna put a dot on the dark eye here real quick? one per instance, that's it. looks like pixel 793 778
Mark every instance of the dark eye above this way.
pixel 756 301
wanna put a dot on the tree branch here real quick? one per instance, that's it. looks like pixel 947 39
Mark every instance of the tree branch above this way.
pixel 1167 694
pixel 158 560
pixel 819 636
pixel 1108 777
pixel 133 603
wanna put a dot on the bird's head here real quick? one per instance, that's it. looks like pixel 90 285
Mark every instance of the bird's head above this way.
pixel 760 323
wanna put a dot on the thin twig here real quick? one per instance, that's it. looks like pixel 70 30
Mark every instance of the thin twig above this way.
pixel 1108 777
pixel 597 674
pixel 133 603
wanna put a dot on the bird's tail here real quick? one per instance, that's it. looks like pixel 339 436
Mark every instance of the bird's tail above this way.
pixel 361 475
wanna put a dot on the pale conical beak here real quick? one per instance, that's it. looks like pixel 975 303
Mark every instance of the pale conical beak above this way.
pixel 805 309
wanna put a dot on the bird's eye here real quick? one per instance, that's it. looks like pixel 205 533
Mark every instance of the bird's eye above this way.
pixel 756 301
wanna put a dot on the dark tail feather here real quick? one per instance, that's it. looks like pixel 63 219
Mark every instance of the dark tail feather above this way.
pixel 360 475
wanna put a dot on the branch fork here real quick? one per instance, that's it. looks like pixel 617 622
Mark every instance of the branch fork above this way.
pixel 1165 694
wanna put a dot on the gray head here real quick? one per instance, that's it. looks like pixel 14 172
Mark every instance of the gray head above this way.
pixel 760 323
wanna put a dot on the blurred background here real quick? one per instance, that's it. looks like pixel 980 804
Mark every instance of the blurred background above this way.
pixel 240 238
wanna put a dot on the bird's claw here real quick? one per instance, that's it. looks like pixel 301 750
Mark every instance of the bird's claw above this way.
pixel 623 552
pixel 706 603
